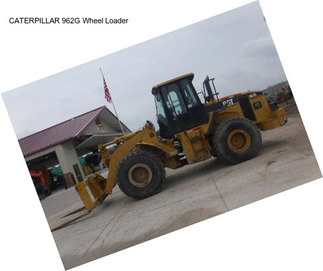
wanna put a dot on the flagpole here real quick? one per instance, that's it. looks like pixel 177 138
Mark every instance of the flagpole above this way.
pixel 115 111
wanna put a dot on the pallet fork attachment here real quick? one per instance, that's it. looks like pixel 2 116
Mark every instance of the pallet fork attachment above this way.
pixel 92 193
pixel 67 222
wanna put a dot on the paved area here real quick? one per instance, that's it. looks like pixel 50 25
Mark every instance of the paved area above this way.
pixel 190 194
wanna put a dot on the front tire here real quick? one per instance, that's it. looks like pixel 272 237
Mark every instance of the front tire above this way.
pixel 236 140
pixel 140 174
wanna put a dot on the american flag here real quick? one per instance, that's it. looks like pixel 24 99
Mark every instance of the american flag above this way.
pixel 106 91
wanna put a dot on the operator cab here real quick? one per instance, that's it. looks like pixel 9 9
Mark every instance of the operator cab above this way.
pixel 178 106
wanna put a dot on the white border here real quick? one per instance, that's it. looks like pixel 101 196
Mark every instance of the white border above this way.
pixel 283 232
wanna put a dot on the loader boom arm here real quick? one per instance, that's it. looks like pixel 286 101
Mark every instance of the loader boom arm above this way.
pixel 147 137
pixel 96 188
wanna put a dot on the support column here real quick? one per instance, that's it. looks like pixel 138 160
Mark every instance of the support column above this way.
pixel 69 161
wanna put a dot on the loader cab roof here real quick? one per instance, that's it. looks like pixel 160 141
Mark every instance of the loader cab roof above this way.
pixel 187 75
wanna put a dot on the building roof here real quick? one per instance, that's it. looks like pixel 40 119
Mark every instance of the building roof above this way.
pixel 58 133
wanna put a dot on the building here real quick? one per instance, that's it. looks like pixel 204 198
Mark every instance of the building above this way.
pixel 62 145
pixel 276 90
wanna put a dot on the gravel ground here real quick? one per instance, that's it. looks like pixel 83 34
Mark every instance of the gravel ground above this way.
pixel 190 194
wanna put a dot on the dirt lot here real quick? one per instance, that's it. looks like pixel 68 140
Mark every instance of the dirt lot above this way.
pixel 190 194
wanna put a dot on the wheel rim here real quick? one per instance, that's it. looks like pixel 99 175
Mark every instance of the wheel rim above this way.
pixel 239 140
pixel 140 175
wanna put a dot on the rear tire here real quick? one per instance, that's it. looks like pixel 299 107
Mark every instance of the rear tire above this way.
pixel 140 174
pixel 236 140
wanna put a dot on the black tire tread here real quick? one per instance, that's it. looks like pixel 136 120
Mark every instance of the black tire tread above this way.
pixel 220 146
pixel 152 188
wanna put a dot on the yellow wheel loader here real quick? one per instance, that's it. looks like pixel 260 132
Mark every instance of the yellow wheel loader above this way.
pixel 189 131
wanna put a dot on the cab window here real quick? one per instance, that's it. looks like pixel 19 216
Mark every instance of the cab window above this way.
pixel 189 93
pixel 161 116
pixel 174 99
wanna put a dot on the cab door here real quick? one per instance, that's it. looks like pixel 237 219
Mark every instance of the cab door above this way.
pixel 183 108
